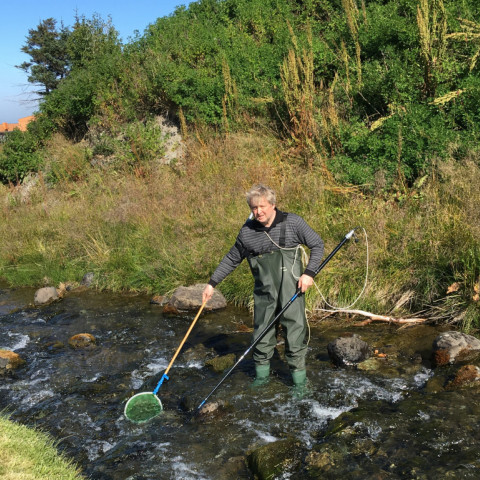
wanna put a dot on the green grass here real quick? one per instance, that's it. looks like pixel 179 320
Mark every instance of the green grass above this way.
pixel 27 454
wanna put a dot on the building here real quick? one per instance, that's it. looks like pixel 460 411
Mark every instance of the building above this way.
pixel 21 125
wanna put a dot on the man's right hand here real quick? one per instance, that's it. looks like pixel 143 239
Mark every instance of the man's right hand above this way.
pixel 207 293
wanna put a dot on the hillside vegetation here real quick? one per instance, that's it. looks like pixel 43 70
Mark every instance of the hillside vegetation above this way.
pixel 357 113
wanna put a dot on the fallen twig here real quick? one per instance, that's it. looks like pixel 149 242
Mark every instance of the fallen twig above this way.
pixel 373 317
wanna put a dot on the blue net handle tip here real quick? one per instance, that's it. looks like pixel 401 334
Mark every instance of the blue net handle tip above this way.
pixel 157 388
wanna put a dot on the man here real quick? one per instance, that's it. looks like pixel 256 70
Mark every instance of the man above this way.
pixel 270 242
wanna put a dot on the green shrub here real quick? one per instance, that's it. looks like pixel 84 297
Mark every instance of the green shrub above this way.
pixel 143 141
pixel 402 147
pixel 135 143
pixel 19 156
pixel 220 63
pixel 65 161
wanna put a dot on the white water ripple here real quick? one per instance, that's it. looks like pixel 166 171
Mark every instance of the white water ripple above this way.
pixel 138 377
pixel 21 341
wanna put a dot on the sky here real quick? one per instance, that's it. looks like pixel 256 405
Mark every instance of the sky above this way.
pixel 17 18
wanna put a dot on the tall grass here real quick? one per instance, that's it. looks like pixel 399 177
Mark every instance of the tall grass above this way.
pixel 172 225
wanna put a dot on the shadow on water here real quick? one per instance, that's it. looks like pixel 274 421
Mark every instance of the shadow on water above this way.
pixel 352 424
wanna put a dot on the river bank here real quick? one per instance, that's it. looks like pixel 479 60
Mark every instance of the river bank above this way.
pixel 171 225
pixel 397 419
pixel 28 453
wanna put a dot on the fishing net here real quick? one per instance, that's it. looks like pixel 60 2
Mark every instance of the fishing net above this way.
pixel 142 407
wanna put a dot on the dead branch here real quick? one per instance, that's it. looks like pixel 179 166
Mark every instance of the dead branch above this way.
pixel 372 317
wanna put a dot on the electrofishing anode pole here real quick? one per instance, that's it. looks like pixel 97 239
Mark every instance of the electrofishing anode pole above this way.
pixel 298 292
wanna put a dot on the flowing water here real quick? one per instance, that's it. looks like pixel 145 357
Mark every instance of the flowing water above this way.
pixel 396 421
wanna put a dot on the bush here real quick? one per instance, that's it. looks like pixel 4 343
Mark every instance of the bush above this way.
pixel 135 144
pixel 402 146
pixel 65 161
pixel 19 156
pixel 143 142
pixel 220 63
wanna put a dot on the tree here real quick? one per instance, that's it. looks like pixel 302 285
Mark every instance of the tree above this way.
pixel 90 40
pixel 92 85
pixel 47 47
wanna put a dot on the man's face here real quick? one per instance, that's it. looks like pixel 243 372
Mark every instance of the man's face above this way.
pixel 263 211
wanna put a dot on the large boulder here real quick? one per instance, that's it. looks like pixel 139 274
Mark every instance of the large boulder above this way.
pixel 175 147
pixel 10 361
pixel 455 347
pixel 348 350
pixel 190 298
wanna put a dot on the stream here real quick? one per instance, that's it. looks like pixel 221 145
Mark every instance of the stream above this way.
pixel 395 421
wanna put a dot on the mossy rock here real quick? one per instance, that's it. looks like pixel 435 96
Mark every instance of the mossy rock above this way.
pixel 466 376
pixel 320 462
pixel 270 460
pixel 219 364
pixel 54 346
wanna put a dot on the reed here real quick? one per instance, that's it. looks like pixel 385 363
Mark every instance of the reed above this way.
pixel 297 75
pixel 229 100
pixel 470 32
pixel 352 14
pixel 432 29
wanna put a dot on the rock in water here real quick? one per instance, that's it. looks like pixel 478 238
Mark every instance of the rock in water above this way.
pixel 10 361
pixel 190 298
pixel 45 295
pixel 219 364
pixel 348 350
pixel 82 340
pixel 455 347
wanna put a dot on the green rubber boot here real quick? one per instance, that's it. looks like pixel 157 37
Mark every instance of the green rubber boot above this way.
pixel 300 388
pixel 262 374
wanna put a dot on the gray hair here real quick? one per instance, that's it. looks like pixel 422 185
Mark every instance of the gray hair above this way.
pixel 261 191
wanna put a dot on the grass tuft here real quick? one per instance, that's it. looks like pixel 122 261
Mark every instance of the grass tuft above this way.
pixel 27 454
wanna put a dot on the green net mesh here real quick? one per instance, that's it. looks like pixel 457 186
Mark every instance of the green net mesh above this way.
pixel 143 407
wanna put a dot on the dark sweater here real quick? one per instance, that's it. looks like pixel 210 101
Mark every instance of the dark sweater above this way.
pixel 252 241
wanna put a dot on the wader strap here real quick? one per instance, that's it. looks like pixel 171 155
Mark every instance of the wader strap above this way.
pixel 282 230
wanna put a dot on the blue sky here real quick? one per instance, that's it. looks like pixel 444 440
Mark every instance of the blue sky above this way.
pixel 17 18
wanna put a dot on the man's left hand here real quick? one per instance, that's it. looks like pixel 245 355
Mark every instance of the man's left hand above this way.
pixel 305 282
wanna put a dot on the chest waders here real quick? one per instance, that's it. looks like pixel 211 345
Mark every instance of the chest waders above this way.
pixel 296 295
pixel 276 276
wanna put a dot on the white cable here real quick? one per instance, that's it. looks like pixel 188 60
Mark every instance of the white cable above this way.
pixel 334 309
pixel 304 260
pixel 298 247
